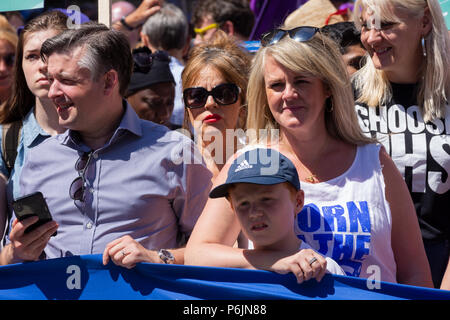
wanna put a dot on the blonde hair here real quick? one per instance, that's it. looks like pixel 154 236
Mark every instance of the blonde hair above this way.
pixel 4 23
pixel 7 32
pixel 372 84
pixel 320 58
pixel 223 54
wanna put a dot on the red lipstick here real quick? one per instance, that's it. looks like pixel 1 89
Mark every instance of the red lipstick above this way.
pixel 212 118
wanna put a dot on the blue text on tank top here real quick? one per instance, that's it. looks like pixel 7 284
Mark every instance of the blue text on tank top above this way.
pixel 341 232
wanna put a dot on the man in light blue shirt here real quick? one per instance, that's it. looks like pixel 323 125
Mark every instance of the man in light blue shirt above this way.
pixel 114 184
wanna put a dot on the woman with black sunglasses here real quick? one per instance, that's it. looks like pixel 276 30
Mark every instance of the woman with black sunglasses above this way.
pixel 357 207
pixel 214 86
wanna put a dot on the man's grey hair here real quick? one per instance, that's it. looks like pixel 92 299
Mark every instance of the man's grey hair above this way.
pixel 168 28
pixel 104 50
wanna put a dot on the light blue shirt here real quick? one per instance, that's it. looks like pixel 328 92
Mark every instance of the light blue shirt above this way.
pixel 143 183
pixel 31 135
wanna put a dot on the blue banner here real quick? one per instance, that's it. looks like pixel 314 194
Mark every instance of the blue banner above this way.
pixel 85 278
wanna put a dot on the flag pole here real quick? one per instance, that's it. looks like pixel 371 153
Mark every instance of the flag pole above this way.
pixel 104 12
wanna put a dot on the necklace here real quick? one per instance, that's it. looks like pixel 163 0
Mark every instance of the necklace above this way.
pixel 311 177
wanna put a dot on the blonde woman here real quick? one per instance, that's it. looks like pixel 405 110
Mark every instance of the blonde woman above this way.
pixel 403 99
pixel 357 208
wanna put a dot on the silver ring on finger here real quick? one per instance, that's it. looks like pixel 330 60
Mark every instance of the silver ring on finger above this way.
pixel 314 259
pixel 123 253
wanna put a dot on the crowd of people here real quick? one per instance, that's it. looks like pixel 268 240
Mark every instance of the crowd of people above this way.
pixel 162 139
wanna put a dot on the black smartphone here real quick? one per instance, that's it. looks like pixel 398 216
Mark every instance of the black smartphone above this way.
pixel 32 205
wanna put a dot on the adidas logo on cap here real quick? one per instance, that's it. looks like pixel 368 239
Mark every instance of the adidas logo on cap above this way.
pixel 267 167
pixel 243 165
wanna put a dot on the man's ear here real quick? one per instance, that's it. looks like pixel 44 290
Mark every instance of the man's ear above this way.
pixel 145 40
pixel 228 28
pixel 111 81
pixel 300 201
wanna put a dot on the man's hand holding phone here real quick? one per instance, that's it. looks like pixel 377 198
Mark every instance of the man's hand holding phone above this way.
pixel 27 246
pixel 31 231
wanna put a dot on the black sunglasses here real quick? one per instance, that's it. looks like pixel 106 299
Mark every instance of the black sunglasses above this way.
pixel 143 59
pixel 299 34
pixel 223 94
pixel 78 186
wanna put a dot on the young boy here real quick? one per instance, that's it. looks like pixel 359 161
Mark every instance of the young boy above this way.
pixel 263 189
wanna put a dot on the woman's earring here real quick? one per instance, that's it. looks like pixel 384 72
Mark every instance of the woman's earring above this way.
pixel 424 47
pixel 329 105
pixel 242 117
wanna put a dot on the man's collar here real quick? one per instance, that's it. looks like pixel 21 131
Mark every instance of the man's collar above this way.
pixel 130 122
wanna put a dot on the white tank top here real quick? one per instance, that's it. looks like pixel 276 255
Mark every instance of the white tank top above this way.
pixel 349 220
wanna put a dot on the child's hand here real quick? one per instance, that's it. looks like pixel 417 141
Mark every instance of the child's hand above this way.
pixel 305 264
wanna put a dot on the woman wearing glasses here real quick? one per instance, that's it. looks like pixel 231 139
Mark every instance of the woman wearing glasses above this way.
pixel 214 85
pixel 403 100
pixel 29 109
pixel 234 17
pixel 357 208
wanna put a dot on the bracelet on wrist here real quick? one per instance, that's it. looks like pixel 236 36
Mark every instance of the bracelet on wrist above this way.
pixel 125 24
